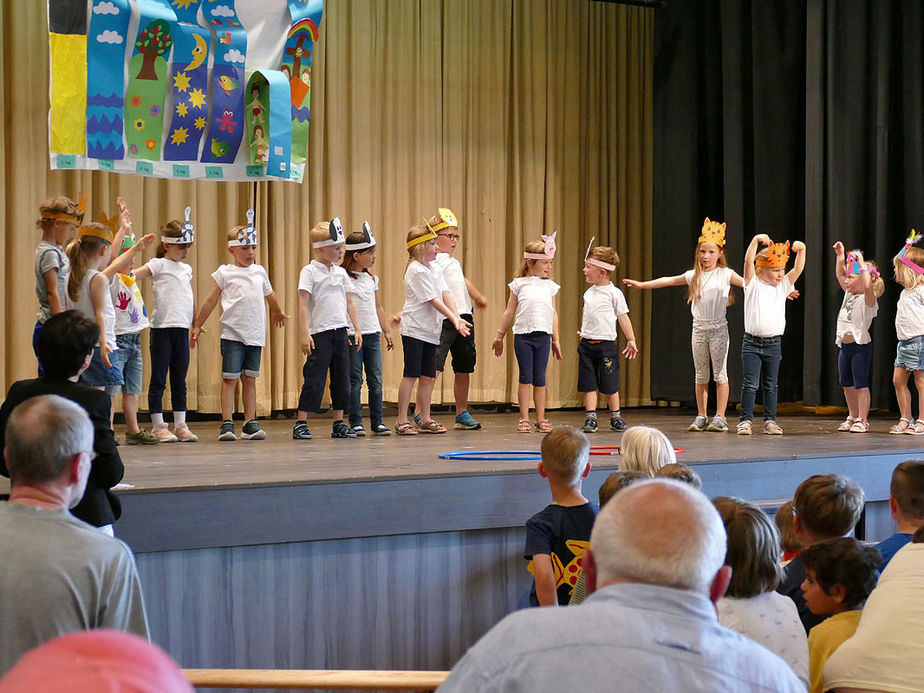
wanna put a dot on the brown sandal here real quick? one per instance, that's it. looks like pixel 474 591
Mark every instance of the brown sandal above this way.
pixel 431 426
pixel 405 429
pixel 543 426
pixel 524 426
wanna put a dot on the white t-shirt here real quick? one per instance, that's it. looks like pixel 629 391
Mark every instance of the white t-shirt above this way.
pixel 909 314
pixel 455 280
pixel 772 620
pixel 85 306
pixel 602 306
pixel 130 314
pixel 364 287
pixel 243 289
pixel 327 288
pixel 854 318
pixel 765 307
pixel 713 294
pixel 419 319
pixel 535 310
pixel 171 286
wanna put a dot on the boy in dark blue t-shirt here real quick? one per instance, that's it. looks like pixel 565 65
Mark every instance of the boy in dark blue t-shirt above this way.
pixel 906 505
pixel 558 535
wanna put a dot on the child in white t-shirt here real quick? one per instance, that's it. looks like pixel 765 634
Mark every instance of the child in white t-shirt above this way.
pixel 708 293
pixel 241 287
pixel 325 308
pixel 531 309
pixel 598 354
pixel 171 320
pixel 862 285
pixel 766 287
pixel 909 327
pixel 427 301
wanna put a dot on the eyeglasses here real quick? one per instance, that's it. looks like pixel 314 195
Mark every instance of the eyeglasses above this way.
pixel 451 236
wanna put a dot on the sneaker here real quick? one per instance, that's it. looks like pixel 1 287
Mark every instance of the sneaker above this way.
pixel 300 431
pixel 617 424
pixel 359 430
pixel 142 437
pixel 744 428
pixel 718 425
pixel 590 425
pixel 380 429
pixel 252 431
pixel 184 435
pixel 698 425
pixel 465 422
pixel 227 431
pixel 771 428
pixel 341 430
pixel 163 435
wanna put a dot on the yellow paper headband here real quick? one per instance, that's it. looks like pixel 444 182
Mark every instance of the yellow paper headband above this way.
pixel 106 234
pixel 422 239
pixel 75 219
pixel 447 219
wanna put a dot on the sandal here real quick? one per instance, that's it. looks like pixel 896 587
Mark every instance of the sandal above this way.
pixel 846 425
pixel 543 426
pixel 859 426
pixel 916 429
pixel 405 429
pixel 524 426
pixel 432 426
pixel 900 427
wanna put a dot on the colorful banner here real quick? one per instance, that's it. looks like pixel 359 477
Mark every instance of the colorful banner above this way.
pixel 226 126
pixel 268 124
pixel 67 42
pixel 106 78
pixel 297 57
pixel 189 82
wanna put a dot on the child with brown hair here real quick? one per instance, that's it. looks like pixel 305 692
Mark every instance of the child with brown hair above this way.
pixel 788 542
pixel 909 327
pixel 906 505
pixel 681 472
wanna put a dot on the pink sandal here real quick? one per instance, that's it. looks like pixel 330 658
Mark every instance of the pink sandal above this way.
pixel 543 426
pixel 859 426
pixel 846 425
pixel 900 427
pixel 524 426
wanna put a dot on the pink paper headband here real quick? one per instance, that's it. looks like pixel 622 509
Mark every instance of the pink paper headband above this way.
pixel 597 263
pixel 912 239
pixel 854 265
pixel 550 248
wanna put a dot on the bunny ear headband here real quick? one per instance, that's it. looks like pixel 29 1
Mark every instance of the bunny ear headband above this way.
pixel 184 238
pixel 247 235
pixel 912 239
pixel 597 263
pixel 550 249
pixel 855 265
pixel 335 231
pixel 368 239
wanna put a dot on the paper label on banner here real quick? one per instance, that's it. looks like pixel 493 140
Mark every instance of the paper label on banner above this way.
pixel 66 161
pixel 145 167
pixel 213 172
pixel 105 164
pixel 181 171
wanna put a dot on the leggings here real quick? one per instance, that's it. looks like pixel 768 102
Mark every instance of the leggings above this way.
pixel 532 352
pixel 169 350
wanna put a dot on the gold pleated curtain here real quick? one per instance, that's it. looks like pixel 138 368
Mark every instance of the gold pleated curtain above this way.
pixel 523 116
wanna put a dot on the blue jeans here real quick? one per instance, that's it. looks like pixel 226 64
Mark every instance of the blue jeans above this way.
pixel 371 356
pixel 760 365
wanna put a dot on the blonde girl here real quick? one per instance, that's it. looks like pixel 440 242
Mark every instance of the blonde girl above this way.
pixel 708 293
pixel 862 285
pixel 531 309
pixel 645 449
pixel 909 326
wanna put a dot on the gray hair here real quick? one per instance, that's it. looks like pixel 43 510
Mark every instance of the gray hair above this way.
pixel 42 435
pixel 662 532
pixel 645 449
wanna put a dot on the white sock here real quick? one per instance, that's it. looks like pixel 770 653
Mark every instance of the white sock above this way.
pixel 179 418
pixel 157 419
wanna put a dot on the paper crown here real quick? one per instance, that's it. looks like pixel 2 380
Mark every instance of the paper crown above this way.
pixel 447 218
pixel 713 232
pixel 105 233
pixel 112 222
pixel 777 256
pixel 594 261
pixel 855 264
pixel 910 241
pixel 368 239
pixel 335 233
pixel 185 237
pixel 422 239
pixel 247 235
pixel 550 249
pixel 75 219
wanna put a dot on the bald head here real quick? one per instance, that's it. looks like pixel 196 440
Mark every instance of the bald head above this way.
pixel 660 532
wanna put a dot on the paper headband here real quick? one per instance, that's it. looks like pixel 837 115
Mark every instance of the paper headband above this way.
pixel 550 248
pixel 777 256
pixel 335 233
pixel 911 240
pixel 595 262
pixel 368 239
pixel 184 238
pixel 247 235
pixel 422 239
pixel 75 219
pixel 713 232
pixel 854 265
pixel 447 218
pixel 106 234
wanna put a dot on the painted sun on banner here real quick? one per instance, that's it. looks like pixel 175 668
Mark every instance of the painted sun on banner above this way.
pixel 217 89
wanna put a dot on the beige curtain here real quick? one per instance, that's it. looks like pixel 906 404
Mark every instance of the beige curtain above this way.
pixel 523 117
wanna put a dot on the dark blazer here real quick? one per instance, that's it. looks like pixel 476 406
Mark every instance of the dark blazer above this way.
pixel 99 505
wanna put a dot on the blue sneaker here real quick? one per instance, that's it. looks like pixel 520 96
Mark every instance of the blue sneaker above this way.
pixel 341 430
pixel 464 421
pixel 300 431
pixel 252 431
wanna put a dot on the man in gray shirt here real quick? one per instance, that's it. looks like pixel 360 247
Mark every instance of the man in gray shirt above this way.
pixel 57 574
pixel 655 570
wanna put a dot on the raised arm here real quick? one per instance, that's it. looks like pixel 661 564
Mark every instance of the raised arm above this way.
pixel 798 247
pixel 125 228
pixel 839 270
pixel 659 283
pixel 751 253
pixel 208 305
pixel 123 261
pixel 506 321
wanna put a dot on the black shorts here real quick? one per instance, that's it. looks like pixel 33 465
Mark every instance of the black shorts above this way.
pixel 419 358
pixel 461 348
pixel 598 366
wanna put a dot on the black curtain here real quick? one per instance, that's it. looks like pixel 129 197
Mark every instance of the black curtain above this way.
pixel 802 120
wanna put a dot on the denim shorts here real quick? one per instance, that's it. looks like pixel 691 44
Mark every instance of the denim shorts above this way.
pixel 910 354
pixel 237 358
pixel 127 359
pixel 99 374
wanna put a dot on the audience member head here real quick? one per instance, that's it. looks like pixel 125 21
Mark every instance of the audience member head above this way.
pixel 826 506
pixel 839 575
pixel 681 472
pixel 49 442
pixel 753 548
pixel 645 449
pixel 65 342
pixel 660 532
pixel 906 493
pixel 96 660
pixel 616 482
pixel 565 456
pixel 783 519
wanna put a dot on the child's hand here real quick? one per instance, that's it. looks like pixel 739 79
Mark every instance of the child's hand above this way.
pixel 389 344
pixel 462 327
pixel 125 216
pixel 798 246
pixel 307 345
pixel 359 341
pixel 556 349
pixel 793 295
pixel 763 239
pixel 104 354
pixel 498 346
pixel 194 337
pixel 145 241
pixel 631 350
pixel 279 318
pixel 631 283
pixel 838 248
